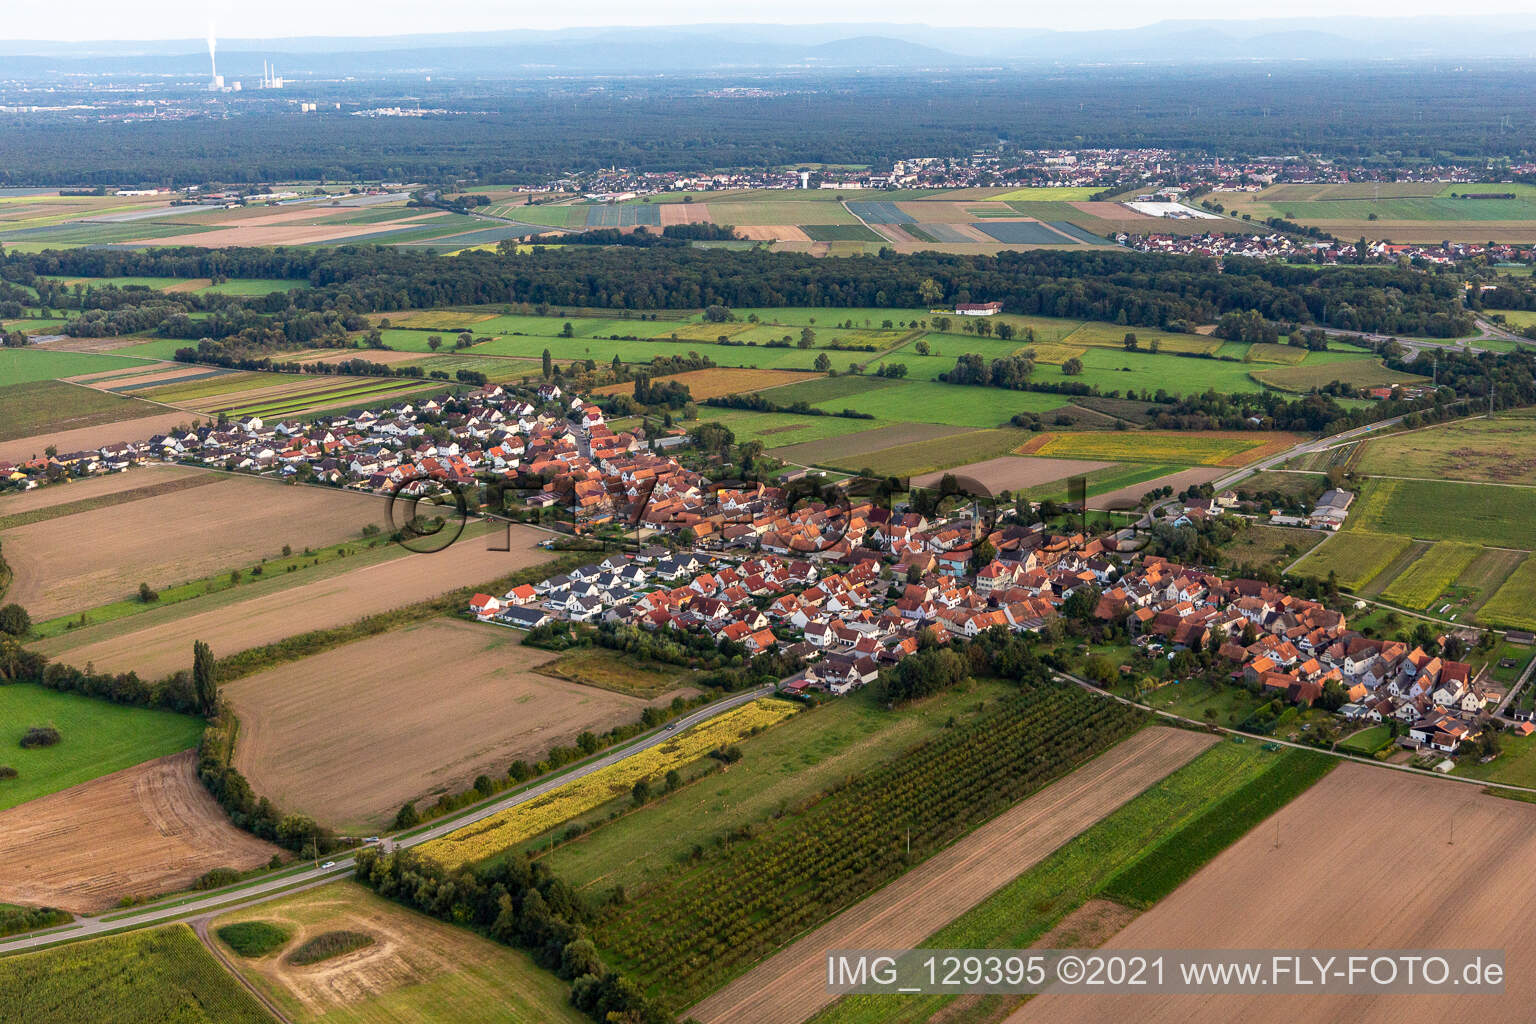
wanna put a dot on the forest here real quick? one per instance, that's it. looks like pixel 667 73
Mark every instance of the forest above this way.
pixel 1167 292
pixel 534 131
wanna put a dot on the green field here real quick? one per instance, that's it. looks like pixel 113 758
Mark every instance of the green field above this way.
pixel 1180 854
pixel 164 975
pixel 776 429
pixel 920 457
pixel 1024 910
pixel 254 286
pixel 1489 450
pixel 97 738
pixel 825 389
pixel 1514 603
pixel 1428 576
pixel 27 409
pixel 1273 546
pixel 1367 741
pixel 1186 448
pixel 1354 556
pixel 1064 193
pixel 1359 373
pixel 957 405
pixel 1494 515
pixel 24 366
pixel 782 767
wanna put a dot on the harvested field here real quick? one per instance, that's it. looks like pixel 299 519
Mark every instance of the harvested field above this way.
pixel 1482 874
pixel 773 233
pixel 157 650
pixel 63 564
pixel 349 735
pixel 1013 472
pixel 685 213
pixel 417 969
pixel 54 405
pixel 266 231
pixel 92 487
pixel 1128 496
pixel 790 987
pixel 82 438
pixel 865 442
pixel 373 355
pixel 138 832
pixel 719 381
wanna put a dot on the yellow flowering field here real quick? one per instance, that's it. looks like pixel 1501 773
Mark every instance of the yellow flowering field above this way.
pixel 503 831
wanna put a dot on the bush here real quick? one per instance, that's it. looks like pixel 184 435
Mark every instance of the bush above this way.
pixel 407 817
pixel 40 736
pixel 254 938
pixel 328 945
pixel 217 878
pixel 7 772
pixel 15 620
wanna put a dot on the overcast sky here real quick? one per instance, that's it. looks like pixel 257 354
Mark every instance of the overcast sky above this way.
pixel 180 19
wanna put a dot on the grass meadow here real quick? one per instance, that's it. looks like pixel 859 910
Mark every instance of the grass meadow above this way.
pixel 96 738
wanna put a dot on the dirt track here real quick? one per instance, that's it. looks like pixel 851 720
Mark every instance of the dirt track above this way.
pixel 1364 861
pixel 789 987
pixel 349 735
pixel 142 831
pixel 158 650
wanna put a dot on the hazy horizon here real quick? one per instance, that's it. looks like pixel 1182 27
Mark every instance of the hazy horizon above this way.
pixel 179 20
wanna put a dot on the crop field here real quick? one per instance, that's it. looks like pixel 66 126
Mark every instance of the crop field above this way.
pixel 1354 556
pixel 1395 910
pixel 1360 373
pixel 1012 472
pixel 1492 514
pixel 786 990
pixel 97 738
pixel 1124 487
pixel 1285 355
pixel 776 428
pixel 839 233
pixel 26 365
pixel 160 642
pixel 1116 372
pixel 1427 577
pixel 1053 905
pixel 1210 448
pixel 1514 603
pixel 1062 193
pixel 1022 232
pixel 163 974
pixel 141 831
pixel 417 969
pixel 503 831
pixel 953 404
pixel 938 454
pixel 868 439
pixel 1498 450
pixel 708 921
pixel 1401 211
pixel 17 507
pixel 26 409
pixel 82 560
pixel 719 381
pixel 349 735
pixel 815 390
pixel 789 765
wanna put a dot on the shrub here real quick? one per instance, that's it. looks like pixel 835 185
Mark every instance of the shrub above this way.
pixel 7 772
pixel 255 938
pixel 217 878
pixel 328 945
pixel 40 736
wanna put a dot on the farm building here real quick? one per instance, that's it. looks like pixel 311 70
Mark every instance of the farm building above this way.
pixel 978 308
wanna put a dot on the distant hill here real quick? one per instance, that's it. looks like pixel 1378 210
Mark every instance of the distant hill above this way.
pixel 771 47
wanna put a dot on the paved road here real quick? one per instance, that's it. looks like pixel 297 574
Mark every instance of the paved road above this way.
pixel 342 864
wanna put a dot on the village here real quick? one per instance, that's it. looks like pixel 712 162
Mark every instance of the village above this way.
pixel 847 585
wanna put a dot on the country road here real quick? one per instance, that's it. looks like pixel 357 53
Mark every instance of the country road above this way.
pixel 86 926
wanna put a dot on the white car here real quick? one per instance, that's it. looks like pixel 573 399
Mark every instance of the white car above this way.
pixel 327 864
